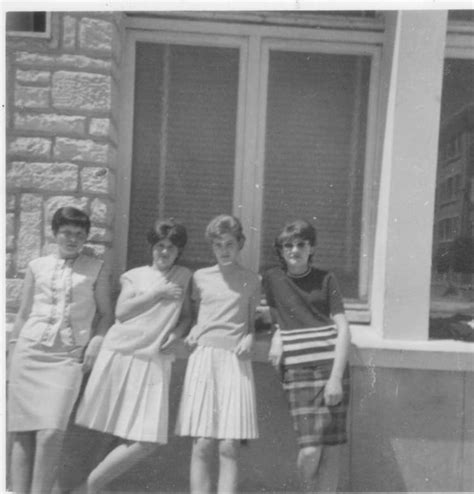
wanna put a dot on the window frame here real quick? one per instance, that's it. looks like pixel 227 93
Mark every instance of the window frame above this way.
pixel 255 43
pixel 46 34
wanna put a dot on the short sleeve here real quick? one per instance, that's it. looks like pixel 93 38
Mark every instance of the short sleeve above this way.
pixel 335 300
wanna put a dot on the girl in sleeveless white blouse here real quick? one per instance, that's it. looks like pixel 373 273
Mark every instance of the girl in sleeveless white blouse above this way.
pixel 127 392
pixel 61 295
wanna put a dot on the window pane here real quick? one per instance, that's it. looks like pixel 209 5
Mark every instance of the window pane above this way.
pixel 26 22
pixel 452 294
pixel 315 155
pixel 184 142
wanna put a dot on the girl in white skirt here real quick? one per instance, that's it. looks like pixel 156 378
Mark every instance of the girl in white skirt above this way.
pixel 218 400
pixel 127 392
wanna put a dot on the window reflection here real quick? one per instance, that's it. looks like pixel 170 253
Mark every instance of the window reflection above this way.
pixel 452 286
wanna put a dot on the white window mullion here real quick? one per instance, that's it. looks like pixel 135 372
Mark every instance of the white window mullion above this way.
pixel 249 203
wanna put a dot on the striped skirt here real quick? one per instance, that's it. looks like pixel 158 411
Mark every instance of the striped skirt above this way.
pixel 127 396
pixel 218 399
pixel 315 423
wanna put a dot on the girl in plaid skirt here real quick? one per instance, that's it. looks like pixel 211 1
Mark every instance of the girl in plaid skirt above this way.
pixel 310 348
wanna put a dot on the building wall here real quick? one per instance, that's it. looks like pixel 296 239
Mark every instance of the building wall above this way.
pixel 61 126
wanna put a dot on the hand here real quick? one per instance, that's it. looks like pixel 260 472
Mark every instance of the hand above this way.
pixel 243 349
pixel 169 342
pixel 170 291
pixel 276 351
pixel 333 392
pixel 91 353
pixel 190 342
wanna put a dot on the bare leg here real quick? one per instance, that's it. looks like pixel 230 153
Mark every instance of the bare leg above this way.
pixel 328 471
pixel 201 465
pixel 22 458
pixel 308 464
pixel 228 466
pixel 119 460
pixel 46 464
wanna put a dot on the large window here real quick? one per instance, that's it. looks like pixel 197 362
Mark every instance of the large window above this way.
pixel 452 284
pixel 245 122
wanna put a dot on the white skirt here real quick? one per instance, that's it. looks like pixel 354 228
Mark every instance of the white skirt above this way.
pixel 44 384
pixel 127 396
pixel 218 399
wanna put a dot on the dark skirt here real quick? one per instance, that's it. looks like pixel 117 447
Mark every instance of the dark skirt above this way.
pixel 315 423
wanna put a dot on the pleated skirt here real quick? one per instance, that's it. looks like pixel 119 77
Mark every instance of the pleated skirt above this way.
pixel 44 384
pixel 127 396
pixel 218 399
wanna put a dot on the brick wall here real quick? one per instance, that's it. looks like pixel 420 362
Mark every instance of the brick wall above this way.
pixel 61 143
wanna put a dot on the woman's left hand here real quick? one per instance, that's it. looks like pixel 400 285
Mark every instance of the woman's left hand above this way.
pixel 167 345
pixel 333 392
pixel 244 348
pixel 91 353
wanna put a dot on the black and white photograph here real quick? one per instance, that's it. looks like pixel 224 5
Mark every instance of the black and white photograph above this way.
pixel 239 247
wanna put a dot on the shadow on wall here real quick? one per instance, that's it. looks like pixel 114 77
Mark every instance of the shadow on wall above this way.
pixel 266 465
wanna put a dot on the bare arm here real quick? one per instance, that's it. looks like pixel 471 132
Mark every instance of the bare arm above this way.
pixel 333 389
pixel 276 346
pixel 104 319
pixel 184 322
pixel 25 305
pixel 244 347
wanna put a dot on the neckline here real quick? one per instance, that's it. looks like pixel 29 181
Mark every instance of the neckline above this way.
pixel 302 275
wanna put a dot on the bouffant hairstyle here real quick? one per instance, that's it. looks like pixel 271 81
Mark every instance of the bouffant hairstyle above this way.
pixel 168 229
pixel 225 223
pixel 70 216
pixel 295 230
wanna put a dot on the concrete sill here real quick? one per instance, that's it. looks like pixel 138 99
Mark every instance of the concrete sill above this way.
pixel 369 349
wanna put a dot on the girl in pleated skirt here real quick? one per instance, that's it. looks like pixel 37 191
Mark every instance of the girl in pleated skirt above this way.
pixel 218 406
pixel 127 392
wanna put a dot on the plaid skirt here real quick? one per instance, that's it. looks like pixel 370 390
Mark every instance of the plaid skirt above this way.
pixel 315 423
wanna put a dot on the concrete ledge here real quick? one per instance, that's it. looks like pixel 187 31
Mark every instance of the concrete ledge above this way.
pixel 369 349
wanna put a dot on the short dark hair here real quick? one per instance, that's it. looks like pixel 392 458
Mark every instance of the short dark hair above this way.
pixel 225 223
pixel 297 229
pixel 70 216
pixel 168 229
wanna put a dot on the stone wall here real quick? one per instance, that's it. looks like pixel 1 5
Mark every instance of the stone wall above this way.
pixel 62 116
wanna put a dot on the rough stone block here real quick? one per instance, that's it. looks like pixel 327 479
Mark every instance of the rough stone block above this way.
pixel 69 32
pixel 95 35
pixel 31 202
pixel 9 265
pixel 32 97
pixel 102 211
pixel 95 250
pixel 34 76
pixel 100 127
pixel 81 150
pixel 30 147
pixel 81 91
pixel 97 180
pixel 46 176
pixel 47 122
pixel 13 293
pixel 100 234
pixel 9 231
pixel 10 202
pixel 66 60
pixel 29 238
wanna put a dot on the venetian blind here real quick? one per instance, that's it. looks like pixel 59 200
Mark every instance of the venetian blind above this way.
pixel 315 153
pixel 186 110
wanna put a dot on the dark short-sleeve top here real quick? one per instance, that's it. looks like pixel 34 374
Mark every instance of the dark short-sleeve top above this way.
pixel 306 302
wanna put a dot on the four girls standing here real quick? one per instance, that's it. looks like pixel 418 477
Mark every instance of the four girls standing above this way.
pixel 127 393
